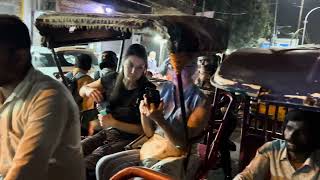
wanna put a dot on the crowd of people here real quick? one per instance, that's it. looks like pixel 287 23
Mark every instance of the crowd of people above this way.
pixel 40 119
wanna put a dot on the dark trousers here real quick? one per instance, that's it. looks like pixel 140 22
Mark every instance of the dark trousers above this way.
pixel 110 165
pixel 107 141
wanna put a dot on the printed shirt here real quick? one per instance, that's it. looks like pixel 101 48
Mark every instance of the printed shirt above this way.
pixel 40 132
pixel 87 102
pixel 193 97
pixel 272 160
pixel 159 151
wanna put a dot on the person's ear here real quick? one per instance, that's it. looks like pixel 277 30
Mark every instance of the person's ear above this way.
pixel 22 57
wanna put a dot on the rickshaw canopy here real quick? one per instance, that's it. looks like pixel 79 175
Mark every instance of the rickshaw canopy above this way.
pixel 287 76
pixel 184 33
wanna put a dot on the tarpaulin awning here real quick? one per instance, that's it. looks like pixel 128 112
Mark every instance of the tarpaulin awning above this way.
pixel 185 33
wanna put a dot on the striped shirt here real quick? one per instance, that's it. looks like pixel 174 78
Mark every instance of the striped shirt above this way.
pixel 272 161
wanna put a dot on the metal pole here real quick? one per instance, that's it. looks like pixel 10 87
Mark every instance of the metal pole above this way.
pixel 57 62
pixel 300 14
pixel 304 31
pixel 305 23
pixel 203 7
pixel 275 23
pixel 182 105
pixel 121 54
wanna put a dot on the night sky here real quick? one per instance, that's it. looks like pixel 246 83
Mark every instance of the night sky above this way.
pixel 289 14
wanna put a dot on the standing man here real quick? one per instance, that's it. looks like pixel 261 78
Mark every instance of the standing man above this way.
pixel 39 120
pixel 152 62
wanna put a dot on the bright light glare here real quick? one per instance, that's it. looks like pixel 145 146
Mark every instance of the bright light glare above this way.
pixel 108 10
pixel 99 10
pixel 157 38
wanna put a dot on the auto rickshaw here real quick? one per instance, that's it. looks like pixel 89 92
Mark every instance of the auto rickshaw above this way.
pixel 270 82
pixel 186 35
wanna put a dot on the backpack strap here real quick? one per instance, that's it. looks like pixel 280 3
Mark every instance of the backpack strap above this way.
pixel 79 75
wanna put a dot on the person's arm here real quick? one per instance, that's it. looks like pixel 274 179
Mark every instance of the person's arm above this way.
pixel 109 121
pixel 177 135
pixel 147 126
pixel 178 138
pixel 259 167
pixel 147 123
pixel 43 130
pixel 93 90
pixel 175 128
pixel 88 102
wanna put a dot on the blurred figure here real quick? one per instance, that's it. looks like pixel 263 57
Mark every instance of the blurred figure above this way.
pixel 295 157
pixel 152 62
pixel 39 122
pixel 206 68
pixel 163 70
pixel 109 62
pixel 79 77
pixel 76 79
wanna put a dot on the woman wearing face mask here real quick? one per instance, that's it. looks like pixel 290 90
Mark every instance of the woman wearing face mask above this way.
pixel 122 92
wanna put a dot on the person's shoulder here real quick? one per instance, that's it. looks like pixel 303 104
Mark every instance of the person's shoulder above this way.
pixel 86 78
pixel 110 76
pixel 69 75
pixel 274 146
pixel 44 83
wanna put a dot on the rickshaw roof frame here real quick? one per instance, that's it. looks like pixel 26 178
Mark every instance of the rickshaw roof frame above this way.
pixel 280 76
pixel 60 29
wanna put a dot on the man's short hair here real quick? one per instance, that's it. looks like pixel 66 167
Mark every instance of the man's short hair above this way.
pixel 310 118
pixel 84 62
pixel 110 60
pixel 13 32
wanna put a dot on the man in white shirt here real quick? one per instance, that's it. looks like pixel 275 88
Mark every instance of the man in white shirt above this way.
pixel 39 121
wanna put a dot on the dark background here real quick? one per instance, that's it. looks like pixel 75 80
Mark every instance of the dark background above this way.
pixel 288 15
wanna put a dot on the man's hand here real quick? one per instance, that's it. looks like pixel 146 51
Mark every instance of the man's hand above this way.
pixel 151 111
pixel 94 93
pixel 107 120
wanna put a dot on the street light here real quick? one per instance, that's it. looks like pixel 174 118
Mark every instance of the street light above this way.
pixel 108 9
pixel 305 23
